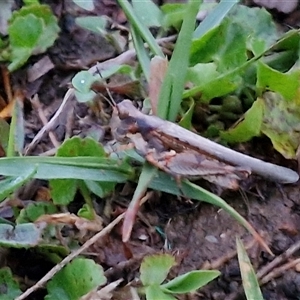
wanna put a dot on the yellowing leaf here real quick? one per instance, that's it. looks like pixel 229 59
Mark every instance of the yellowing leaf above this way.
pixel 281 124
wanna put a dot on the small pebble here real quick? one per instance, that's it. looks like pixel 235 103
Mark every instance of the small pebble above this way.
pixel 212 239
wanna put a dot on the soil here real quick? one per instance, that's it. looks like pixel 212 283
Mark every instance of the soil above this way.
pixel 198 234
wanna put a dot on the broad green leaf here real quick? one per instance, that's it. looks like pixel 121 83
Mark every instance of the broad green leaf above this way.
pixel 19 236
pixel 50 29
pixel 53 253
pixel 30 2
pixel 225 45
pixel 217 87
pixel 209 82
pixel 250 282
pixel 9 185
pixel 281 61
pixel 80 147
pixel 154 292
pixel 85 4
pixel 281 123
pixel 249 127
pixel 63 190
pixel 235 30
pixel 170 96
pixel 75 280
pixel 25 31
pixel 18 57
pixel 287 84
pixel 289 41
pixel 155 268
pixel 34 210
pixel 33 29
pixel 262 33
pixel 189 282
pixel 173 14
pixel 202 73
pixel 148 12
pixel 9 287
pixel 24 35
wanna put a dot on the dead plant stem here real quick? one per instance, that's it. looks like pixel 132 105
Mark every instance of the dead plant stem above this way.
pixel 70 257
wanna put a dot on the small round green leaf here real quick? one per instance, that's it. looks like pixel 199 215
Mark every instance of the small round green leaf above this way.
pixel 155 268
pixel 75 280
pixel 24 32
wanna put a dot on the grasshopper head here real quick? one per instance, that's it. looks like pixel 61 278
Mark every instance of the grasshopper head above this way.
pixel 126 109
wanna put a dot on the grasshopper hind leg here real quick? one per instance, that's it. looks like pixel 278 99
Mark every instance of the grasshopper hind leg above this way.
pixel 178 179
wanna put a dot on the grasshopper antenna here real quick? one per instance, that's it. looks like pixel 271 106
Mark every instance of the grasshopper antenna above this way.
pixel 110 99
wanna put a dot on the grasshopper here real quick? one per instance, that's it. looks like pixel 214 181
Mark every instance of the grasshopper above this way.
pixel 184 154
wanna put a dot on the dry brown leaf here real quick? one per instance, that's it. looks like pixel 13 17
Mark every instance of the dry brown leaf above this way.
pixel 6 112
pixel 39 69
pixel 158 69
pixel 43 193
pixel 72 219
pixel 103 294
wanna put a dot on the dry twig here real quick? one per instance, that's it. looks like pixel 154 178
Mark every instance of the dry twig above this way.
pixel 51 123
pixel 70 257
pixel 37 106
pixel 74 254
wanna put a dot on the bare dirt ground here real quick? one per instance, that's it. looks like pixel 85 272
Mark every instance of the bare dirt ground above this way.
pixel 200 235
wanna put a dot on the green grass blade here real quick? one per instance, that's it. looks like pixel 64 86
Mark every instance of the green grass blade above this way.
pixel 215 17
pixel 141 52
pixel 9 185
pixel 250 282
pixel 12 131
pixel 85 168
pixel 172 88
pixel 140 27
pixel 165 183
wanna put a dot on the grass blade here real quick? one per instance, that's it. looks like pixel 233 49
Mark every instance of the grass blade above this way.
pixel 167 184
pixel 141 52
pixel 215 17
pixel 9 185
pixel 250 282
pixel 172 88
pixel 85 168
pixel 140 27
